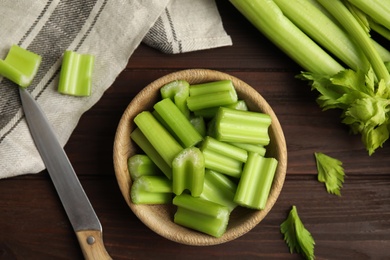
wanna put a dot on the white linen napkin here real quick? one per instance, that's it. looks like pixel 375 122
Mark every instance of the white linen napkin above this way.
pixel 109 30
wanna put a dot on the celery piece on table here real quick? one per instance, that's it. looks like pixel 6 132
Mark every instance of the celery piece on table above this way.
pixel 151 190
pixel 164 143
pixel 20 66
pixel 210 112
pixel 256 181
pixel 236 126
pixel 188 169
pixel 141 164
pixel 76 74
pixel 225 149
pixel 178 91
pixel 176 123
pixel 219 188
pixel 201 215
pixel 139 138
pixel 211 94
pixel 256 148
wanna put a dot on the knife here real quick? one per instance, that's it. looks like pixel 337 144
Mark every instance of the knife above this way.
pixel 80 212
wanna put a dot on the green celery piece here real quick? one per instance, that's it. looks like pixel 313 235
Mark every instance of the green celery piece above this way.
pixel 378 10
pixel 267 17
pixel 256 148
pixel 201 215
pixel 219 188
pixel 20 66
pixel 256 181
pixel 139 138
pixel 359 35
pixel 151 190
pixel 297 237
pixel 330 172
pixel 211 94
pixel 221 163
pixel 188 169
pixel 225 149
pixel 141 164
pixel 177 124
pixel 236 126
pixel 316 24
pixel 164 143
pixel 76 74
pixel 178 91
pixel 210 112
pixel 199 124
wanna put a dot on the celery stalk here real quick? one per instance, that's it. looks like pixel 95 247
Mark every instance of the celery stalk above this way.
pixel 256 181
pixel 215 161
pixel 188 169
pixel 164 143
pixel 348 21
pixel 238 126
pixel 199 124
pixel 151 190
pixel 178 91
pixel 210 112
pixel 139 138
pixel 76 74
pixel 267 17
pixel 313 21
pixel 20 66
pixel 201 215
pixel 141 164
pixel 378 10
pixel 177 123
pixel 214 99
pixel 225 149
pixel 219 188
pixel 260 149
pixel 212 87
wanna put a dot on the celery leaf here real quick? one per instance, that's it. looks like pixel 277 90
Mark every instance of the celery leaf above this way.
pixel 330 172
pixel 297 237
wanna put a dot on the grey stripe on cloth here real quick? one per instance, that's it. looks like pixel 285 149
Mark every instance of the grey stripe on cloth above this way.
pixel 187 26
pixel 109 30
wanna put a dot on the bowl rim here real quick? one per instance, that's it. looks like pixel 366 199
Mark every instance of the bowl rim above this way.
pixel 150 214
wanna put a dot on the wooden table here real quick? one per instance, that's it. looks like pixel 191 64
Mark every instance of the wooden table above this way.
pixel 33 224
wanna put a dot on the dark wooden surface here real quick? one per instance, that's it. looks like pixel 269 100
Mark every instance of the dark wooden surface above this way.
pixel 33 224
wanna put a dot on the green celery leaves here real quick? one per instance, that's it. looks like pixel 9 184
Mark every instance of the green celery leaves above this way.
pixel 330 172
pixel 297 237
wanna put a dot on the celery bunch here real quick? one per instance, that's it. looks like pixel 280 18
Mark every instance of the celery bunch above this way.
pixel 330 40
pixel 206 173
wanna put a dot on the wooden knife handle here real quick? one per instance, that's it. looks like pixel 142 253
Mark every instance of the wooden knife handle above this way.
pixel 91 242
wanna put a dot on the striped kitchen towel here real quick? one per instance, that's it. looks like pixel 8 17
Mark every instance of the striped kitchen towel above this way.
pixel 109 30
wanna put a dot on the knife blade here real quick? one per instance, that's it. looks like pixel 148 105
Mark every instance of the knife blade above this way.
pixel 77 206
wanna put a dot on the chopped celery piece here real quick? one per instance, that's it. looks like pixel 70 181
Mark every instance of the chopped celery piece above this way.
pixel 188 172
pixel 177 123
pixel 210 112
pixel 221 163
pixel 225 149
pixel 178 91
pixel 236 126
pixel 256 181
pixel 151 190
pixel 76 74
pixel 211 94
pixel 164 143
pixel 199 124
pixel 141 164
pixel 201 215
pixel 219 188
pixel 20 66
pixel 256 148
pixel 139 138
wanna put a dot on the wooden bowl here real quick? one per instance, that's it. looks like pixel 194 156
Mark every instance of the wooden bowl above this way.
pixel 159 218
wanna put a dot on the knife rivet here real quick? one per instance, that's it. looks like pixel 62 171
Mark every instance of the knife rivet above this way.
pixel 90 240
